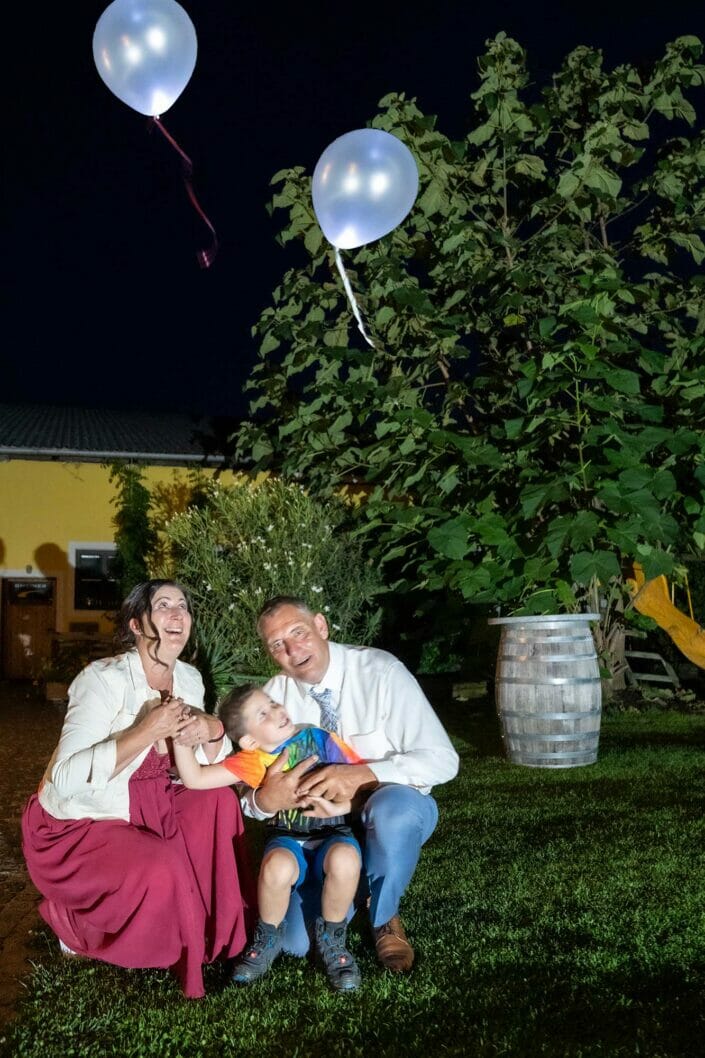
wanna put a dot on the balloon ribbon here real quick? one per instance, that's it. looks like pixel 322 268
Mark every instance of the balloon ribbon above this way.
pixel 351 297
pixel 204 257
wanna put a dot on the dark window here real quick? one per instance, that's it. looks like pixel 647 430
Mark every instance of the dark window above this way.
pixel 96 587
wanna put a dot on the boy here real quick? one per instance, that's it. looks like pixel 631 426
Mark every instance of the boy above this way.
pixel 314 837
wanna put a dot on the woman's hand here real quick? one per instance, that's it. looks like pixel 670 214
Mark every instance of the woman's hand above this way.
pixel 198 728
pixel 163 719
pixel 157 720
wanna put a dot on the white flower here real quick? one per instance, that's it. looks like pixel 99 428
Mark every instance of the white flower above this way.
pixel 316 589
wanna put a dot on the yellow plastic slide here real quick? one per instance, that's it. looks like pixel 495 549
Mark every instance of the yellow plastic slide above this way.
pixel 653 599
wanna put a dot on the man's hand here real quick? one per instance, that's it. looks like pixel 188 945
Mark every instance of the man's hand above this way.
pixel 322 808
pixel 279 789
pixel 336 782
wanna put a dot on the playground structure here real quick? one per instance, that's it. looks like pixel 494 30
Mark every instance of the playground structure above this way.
pixel 654 598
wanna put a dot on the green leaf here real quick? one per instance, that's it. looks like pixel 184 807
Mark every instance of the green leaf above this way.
pixel 601 179
pixel 313 239
pixel 691 242
pixel 269 344
pixel 513 428
pixel 588 564
pixel 568 184
pixel 451 538
pixel 384 315
pixel 618 378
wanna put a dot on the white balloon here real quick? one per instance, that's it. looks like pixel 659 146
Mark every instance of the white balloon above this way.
pixel 145 51
pixel 364 184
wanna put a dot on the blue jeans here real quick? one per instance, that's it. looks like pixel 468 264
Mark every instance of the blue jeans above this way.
pixel 394 824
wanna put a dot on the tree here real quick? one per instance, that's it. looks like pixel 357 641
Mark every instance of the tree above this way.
pixel 135 538
pixel 531 418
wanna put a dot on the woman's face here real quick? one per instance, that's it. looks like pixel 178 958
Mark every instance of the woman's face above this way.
pixel 172 620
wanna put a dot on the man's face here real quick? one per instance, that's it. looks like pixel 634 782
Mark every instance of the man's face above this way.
pixel 298 642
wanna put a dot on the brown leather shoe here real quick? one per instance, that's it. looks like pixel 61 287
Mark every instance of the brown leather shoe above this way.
pixel 393 948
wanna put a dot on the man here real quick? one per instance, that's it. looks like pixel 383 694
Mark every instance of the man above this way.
pixel 376 706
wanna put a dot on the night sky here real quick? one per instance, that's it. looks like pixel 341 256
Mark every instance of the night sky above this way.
pixel 105 304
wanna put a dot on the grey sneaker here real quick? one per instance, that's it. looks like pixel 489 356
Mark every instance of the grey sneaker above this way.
pixel 340 967
pixel 259 956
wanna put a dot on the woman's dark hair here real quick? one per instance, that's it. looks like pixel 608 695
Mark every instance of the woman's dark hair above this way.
pixel 138 606
pixel 231 710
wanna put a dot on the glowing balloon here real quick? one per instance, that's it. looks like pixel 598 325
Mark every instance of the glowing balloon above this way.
pixel 145 51
pixel 364 184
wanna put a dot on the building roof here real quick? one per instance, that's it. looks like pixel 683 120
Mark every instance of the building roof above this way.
pixel 35 431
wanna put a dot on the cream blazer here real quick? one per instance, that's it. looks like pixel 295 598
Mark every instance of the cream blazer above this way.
pixel 104 699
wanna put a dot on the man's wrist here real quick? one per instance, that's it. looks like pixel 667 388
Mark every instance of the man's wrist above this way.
pixel 261 811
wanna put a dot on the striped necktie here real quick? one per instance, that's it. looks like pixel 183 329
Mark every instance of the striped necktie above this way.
pixel 329 714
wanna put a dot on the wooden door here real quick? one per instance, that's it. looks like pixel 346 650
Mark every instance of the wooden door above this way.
pixel 28 624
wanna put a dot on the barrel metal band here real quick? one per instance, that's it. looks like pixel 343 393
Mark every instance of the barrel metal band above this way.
pixel 586 754
pixel 549 716
pixel 548 659
pixel 555 681
pixel 579 736
pixel 548 639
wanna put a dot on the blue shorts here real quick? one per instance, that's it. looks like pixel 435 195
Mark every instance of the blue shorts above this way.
pixel 310 860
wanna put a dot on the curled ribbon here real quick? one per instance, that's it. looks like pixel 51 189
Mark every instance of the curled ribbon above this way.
pixel 204 257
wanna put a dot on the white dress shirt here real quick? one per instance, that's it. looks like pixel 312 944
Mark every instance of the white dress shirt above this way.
pixel 104 699
pixel 384 715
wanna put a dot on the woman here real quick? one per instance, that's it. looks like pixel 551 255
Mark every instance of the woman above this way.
pixel 135 869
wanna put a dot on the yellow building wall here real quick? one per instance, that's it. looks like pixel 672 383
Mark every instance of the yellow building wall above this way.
pixel 47 506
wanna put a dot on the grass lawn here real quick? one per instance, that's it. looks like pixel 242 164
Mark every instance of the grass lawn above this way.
pixel 554 912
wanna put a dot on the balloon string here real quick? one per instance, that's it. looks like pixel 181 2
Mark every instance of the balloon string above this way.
pixel 351 297
pixel 204 257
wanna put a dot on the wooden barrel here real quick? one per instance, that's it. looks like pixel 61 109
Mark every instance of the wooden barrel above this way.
pixel 548 690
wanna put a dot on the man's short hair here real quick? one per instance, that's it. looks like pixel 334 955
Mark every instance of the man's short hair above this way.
pixel 271 606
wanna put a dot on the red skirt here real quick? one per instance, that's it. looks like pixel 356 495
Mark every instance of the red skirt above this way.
pixel 171 888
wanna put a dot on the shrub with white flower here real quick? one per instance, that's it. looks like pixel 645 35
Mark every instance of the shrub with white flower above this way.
pixel 246 543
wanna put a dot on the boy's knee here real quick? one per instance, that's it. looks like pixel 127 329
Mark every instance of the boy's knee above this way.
pixel 279 868
pixel 342 859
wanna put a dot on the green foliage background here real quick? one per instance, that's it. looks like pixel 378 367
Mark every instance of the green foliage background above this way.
pixel 243 544
pixel 532 417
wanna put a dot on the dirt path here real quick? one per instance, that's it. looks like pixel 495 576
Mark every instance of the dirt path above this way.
pixel 29 728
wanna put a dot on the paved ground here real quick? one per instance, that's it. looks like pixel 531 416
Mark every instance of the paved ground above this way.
pixel 29 729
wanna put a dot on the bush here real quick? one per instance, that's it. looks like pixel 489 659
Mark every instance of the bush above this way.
pixel 249 542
